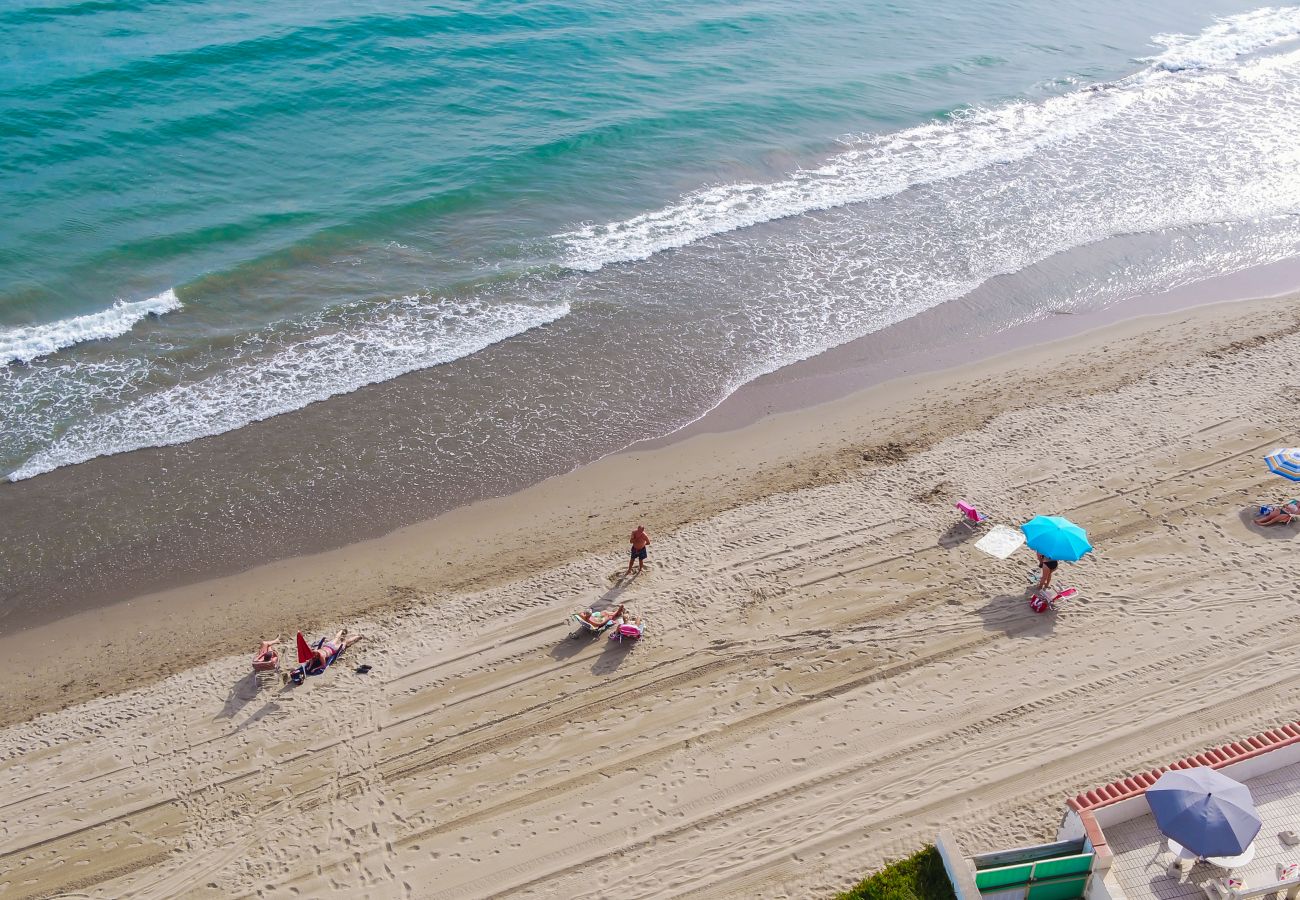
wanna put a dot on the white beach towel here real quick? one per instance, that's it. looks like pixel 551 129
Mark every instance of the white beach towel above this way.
pixel 1001 541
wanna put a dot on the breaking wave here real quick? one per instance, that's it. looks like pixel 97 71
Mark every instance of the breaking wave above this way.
pixel 877 166
pixel 330 354
pixel 34 341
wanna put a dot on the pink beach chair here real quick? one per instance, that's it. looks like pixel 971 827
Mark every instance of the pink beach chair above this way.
pixel 267 662
pixel 1047 599
pixel 627 629
pixel 970 516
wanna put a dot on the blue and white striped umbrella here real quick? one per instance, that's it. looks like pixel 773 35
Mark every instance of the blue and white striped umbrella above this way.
pixel 1284 461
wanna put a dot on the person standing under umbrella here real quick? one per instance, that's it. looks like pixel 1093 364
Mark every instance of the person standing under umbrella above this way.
pixel 1046 569
pixel 1053 539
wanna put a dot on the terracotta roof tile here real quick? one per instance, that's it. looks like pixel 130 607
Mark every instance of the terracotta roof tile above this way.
pixel 1215 758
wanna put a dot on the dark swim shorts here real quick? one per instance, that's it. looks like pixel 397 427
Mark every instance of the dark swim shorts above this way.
pixel 638 554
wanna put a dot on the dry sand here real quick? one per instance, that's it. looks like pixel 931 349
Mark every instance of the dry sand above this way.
pixel 831 670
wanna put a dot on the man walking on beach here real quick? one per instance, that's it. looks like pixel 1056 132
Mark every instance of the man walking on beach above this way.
pixel 640 540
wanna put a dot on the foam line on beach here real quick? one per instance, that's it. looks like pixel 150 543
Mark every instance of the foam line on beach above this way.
pixel 968 140
pixel 32 342
pixel 1227 39
pixel 400 336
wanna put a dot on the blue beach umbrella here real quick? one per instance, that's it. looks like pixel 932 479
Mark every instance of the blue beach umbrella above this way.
pixel 1284 461
pixel 1056 538
pixel 1206 812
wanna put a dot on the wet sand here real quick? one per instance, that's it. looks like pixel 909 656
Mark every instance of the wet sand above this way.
pixel 831 670
pixel 948 336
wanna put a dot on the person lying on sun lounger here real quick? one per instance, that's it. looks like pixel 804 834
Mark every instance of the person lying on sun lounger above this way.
pixel 316 661
pixel 599 618
pixel 323 655
pixel 1279 515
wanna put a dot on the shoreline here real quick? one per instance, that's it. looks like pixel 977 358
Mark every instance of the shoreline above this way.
pixel 695 476
pixel 159 519
pixel 852 367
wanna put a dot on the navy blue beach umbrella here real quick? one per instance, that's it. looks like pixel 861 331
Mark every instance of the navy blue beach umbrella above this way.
pixel 1206 812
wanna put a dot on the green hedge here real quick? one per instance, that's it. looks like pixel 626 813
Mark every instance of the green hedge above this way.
pixel 919 877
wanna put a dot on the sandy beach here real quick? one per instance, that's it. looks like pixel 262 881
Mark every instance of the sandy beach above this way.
pixel 831 670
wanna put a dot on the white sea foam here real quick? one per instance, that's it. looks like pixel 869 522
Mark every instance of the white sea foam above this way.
pixel 878 166
pixel 34 341
pixel 360 345
pixel 1227 39
pixel 875 167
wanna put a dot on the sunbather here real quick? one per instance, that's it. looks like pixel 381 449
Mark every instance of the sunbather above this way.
pixel 266 652
pixel 1279 515
pixel 600 618
pixel 323 655
pixel 628 626
pixel 315 662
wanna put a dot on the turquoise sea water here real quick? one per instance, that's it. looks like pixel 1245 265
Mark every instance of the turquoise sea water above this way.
pixel 265 173
pixel 222 213
pixel 231 148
